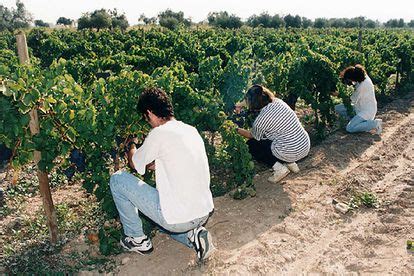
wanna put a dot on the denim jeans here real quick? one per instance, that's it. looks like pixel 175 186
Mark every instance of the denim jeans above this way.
pixel 132 194
pixel 357 123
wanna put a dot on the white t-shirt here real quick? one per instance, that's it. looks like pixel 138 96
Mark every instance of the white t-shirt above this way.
pixel 363 99
pixel 182 173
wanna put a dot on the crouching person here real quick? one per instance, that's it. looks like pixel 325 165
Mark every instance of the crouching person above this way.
pixel 363 101
pixel 277 137
pixel 182 201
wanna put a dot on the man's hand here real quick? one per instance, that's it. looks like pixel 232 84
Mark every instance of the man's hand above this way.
pixel 151 166
pixel 132 148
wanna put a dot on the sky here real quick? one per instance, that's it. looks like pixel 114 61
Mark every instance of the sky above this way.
pixel 197 10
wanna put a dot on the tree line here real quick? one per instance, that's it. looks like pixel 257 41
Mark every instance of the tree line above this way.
pixel 19 17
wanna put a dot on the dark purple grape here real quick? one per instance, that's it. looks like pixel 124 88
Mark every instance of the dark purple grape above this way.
pixel 119 140
pixel 1 197
pixel 113 153
pixel 5 153
pixel 69 172
pixel 78 158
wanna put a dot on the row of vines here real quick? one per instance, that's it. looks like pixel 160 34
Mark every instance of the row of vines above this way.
pixel 85 86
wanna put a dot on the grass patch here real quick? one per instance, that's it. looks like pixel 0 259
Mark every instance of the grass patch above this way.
pixel 364 199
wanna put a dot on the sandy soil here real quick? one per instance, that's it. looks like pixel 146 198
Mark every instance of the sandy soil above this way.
pixel 292 227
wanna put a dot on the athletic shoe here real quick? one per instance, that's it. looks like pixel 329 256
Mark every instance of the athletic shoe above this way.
pixel 293 167
pixel 140 245
pixel 279 172
pixel 202 242
pixel 378 128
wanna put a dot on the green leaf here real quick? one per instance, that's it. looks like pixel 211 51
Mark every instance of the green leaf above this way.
pixel 27 99
pixel 71 134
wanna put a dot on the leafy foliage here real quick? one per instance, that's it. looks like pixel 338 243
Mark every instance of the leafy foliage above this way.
pixel 85 86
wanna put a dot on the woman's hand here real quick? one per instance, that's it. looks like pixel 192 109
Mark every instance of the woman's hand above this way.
pixel 245 133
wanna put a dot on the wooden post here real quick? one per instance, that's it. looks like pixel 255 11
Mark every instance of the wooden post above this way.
pixel 360 40
pixel 41 175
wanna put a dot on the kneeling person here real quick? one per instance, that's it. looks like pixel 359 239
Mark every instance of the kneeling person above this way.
pixel 277 137
pixel 182 201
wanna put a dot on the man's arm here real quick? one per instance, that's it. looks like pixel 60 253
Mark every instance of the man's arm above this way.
pixel 132 150
pixel 245 133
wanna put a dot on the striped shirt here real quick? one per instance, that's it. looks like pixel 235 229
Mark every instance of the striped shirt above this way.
pixel 279 123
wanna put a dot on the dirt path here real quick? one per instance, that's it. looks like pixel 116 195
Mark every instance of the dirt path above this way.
pixel 292 227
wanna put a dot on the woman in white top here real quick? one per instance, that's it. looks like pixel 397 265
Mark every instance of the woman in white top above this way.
pixel 363 101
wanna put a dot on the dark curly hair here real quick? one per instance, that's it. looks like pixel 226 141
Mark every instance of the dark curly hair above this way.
pixel 155 100
pixel 258 97
pixel 353 73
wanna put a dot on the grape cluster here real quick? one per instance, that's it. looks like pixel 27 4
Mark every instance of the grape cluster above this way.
pixel 5 153
pixel 1 197
pixel 245 118
pixel 78 163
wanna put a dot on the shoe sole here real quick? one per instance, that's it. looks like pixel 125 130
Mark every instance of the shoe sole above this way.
pixel 273 180
pixel 293 168
pixel 136 250
pixel 209 247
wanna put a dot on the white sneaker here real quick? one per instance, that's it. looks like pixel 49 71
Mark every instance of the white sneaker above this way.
pixel 202 242
pixel 378 128
pixel 293 167
pixel 279 172
pixel 140 245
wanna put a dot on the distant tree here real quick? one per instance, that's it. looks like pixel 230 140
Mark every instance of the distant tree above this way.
pixel 40 23
pixel 11 19
pixel 119 21
pixel 84 22
pixel 395 23
pixel 6 18
pixel 101 19
pixel 147 20
pixel 293 21
pixel 172 20
pixel 306 22
pixel 337 22
pixel 411 23
pixel 371 24
pixel 224 20
pixel 277 21
pixel 265 20
pixel 321 23
pixel 21 17
pixel 64 21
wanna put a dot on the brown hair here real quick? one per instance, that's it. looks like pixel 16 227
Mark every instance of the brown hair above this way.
pixel 353 73
pixel 258 97
pixel 155 100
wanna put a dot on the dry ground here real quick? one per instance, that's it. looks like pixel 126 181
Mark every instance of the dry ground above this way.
pixel 292 227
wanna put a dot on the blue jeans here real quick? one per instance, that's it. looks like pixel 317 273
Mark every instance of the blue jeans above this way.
pixel 132 194
pixel 357 123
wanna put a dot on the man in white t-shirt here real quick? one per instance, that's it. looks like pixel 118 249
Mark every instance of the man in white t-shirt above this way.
pixel 181 202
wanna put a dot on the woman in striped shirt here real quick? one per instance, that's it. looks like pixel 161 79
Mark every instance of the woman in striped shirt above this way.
pixel 277 137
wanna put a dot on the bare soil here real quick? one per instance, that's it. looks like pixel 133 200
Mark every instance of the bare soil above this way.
pixel 292 227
